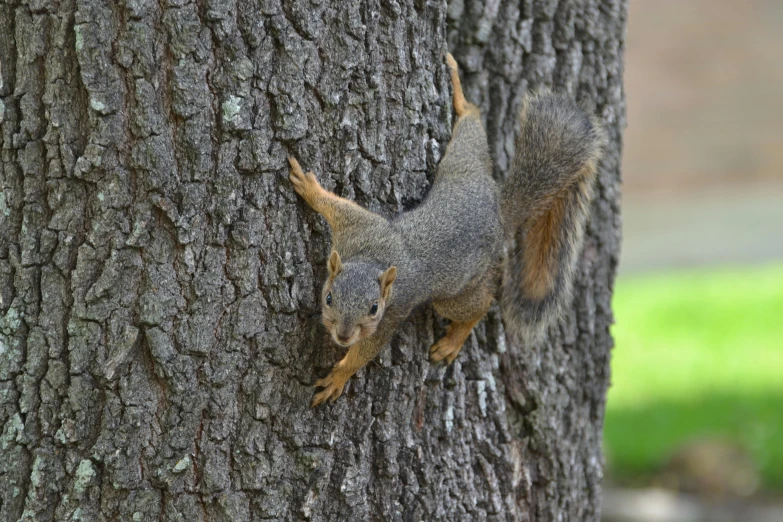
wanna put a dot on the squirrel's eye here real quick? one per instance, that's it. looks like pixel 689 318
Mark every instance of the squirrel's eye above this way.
pixel 329 299
pixel 374 308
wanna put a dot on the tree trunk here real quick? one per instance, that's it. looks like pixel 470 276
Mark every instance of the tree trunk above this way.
pixel 159 278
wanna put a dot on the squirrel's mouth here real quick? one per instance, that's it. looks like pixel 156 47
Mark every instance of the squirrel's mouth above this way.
pixel 359 332
pixel 346 341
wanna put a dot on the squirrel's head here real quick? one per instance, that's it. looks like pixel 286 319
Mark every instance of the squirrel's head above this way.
pixel 354 298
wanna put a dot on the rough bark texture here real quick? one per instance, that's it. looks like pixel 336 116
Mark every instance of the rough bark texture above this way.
pixel 159 277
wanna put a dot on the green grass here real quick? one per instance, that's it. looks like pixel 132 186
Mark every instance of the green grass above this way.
pixel 697 353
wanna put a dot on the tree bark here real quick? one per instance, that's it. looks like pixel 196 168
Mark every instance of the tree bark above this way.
pixel 159 278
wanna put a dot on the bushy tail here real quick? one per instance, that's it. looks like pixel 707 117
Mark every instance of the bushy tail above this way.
pixel 544 204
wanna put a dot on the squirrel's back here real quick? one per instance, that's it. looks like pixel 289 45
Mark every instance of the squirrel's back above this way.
pixel 456 231
pixel 544 205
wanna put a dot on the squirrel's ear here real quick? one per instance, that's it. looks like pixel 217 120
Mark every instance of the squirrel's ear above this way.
pixel 386 279
pixel 335 264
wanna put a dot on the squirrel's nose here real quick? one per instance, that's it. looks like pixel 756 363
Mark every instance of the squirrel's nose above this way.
pixel 343 338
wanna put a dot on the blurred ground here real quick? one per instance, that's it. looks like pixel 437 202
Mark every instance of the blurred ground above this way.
pixel 657 505
pixel 702 185
pixel 717 227
pixel 696 397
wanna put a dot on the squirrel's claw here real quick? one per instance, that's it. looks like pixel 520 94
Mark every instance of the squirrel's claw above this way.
pixel 295 167
pixel 332 389
pixel 305 184
pixel 296 176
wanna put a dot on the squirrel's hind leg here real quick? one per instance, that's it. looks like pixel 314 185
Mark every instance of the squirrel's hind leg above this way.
pixel 465 310
pixel 448 347
pixel 461 106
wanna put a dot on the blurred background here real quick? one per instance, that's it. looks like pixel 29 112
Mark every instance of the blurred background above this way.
pixel 694 422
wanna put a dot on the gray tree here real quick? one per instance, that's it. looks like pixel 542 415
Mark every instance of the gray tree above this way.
pixel 159 278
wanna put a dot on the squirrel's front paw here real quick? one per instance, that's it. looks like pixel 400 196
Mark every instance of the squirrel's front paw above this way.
pixel 305 184
pixel 332 385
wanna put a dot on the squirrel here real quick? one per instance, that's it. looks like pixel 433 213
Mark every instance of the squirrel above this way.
pixel 450 249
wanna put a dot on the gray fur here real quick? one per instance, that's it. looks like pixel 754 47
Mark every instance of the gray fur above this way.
pixel 439 254
pixel 449 249
pixel 354 291
pixel 556 157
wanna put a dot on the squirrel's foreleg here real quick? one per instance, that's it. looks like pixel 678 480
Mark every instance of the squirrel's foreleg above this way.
pixel 336 210
pixel 357 357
